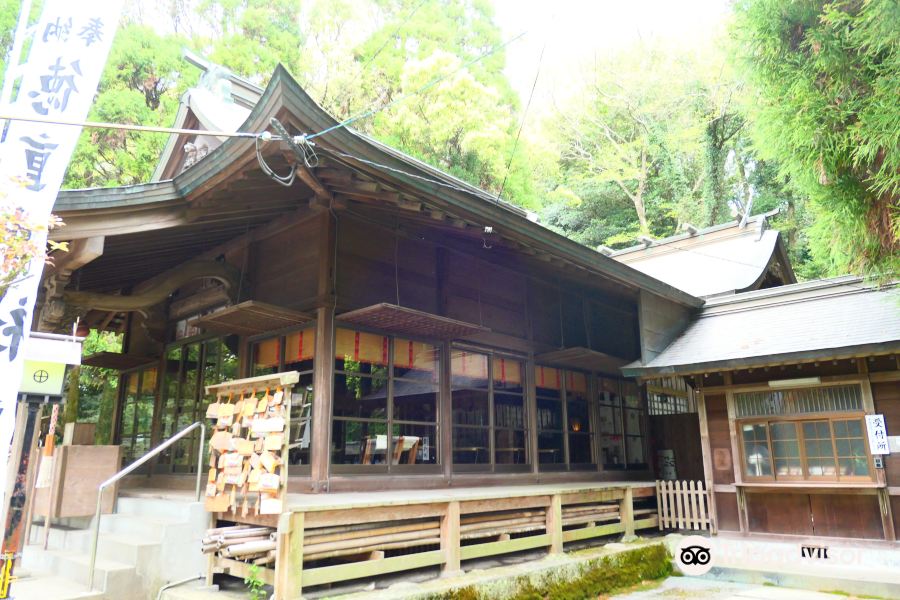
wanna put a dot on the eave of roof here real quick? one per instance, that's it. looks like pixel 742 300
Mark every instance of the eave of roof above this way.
pixel 285 99
pixel 723 259
pixel 750 328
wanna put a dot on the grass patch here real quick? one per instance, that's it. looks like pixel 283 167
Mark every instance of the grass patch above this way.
pixel 855 596
pixel 601 576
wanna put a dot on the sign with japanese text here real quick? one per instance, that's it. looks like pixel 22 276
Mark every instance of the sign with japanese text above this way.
pixel 59 78
pixel 878 438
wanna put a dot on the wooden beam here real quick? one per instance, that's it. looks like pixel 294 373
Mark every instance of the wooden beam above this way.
pixel 80 253
pixel 289 557
pixel 554 524
pixel 314 184
pixel 121 222
pixel 450 540
pixel 626 515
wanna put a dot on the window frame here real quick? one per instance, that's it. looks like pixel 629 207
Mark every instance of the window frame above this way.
pixel 300 392
pixel 388 468
pixel 166 463
pixel 492 466
pixel 799 420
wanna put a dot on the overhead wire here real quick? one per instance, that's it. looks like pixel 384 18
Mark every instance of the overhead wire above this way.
pixel 512 154
pixel 129 127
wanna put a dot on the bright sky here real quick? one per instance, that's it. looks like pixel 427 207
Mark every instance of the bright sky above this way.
pixel 578 30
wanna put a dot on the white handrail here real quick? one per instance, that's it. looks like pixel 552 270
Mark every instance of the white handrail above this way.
pixel 131 468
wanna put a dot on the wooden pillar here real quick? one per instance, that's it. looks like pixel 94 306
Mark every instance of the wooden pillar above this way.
pixel 706 450
pixel 450 540
pixel 884 498
pixel 554 524
pixel 531 414
pixel 737 458
pixel 289 557
pixel 445 422
pixel 323 376
pixel 626 514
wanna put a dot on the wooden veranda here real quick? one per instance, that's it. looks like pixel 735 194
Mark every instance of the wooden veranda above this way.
pixel 338 537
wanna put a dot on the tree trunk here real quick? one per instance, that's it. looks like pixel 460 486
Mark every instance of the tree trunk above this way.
pixel 638 197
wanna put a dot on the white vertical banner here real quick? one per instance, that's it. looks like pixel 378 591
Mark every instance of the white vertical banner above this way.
pixel 68 53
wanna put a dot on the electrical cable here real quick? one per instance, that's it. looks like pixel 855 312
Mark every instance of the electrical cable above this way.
pixel 285 180
pixel 430 84
pixel 127 127
pixel 512 154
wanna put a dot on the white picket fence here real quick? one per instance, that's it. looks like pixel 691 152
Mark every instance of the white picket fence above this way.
pixel 683 505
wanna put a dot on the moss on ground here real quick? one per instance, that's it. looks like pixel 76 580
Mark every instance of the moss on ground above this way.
pixel 600 576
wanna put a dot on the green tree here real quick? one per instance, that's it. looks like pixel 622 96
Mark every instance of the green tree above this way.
pixel 142 83
pixel 251 37
pixel 92 391
pixel 631 146
pixel 822 80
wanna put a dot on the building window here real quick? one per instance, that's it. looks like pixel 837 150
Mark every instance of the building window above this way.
pixel 838 398
pixel 139 389
pixel 670 396
pixel 385 402
pixel 823 449
pixel 189 367
pixel 490 430
pixel 621 424
pixel 293 351
pixel 807 434
pixel 565 421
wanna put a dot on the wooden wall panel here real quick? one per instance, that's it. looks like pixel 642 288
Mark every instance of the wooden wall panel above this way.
pixel 845 515
pixel 477 288
pixel 365 265
pixel 887 402
pixel 544 303
pixel 727 511
pixel 284 268
pixel 574 326
pixel 720 439
pixel 614 332
pixel 680 433
pixel 895 511
pixel 661 321
pixel 486 294
pixel 779 513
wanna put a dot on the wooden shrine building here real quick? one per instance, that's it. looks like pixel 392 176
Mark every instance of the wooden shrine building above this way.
pixel 443 336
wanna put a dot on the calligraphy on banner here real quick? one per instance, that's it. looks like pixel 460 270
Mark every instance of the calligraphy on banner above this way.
pixel 67 55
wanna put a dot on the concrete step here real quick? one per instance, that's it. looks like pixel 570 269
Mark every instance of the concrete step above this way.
pixel 52 587
pixel 144 527
pixel 113 577
pixel 129 549
pixel 155 507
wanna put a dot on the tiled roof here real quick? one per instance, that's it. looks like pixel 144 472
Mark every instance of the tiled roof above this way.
pixel 723 259
pixel 817 319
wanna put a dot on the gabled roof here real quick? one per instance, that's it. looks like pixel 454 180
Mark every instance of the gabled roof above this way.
pixel 824 319
pixel 723 259
pixel 436 192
